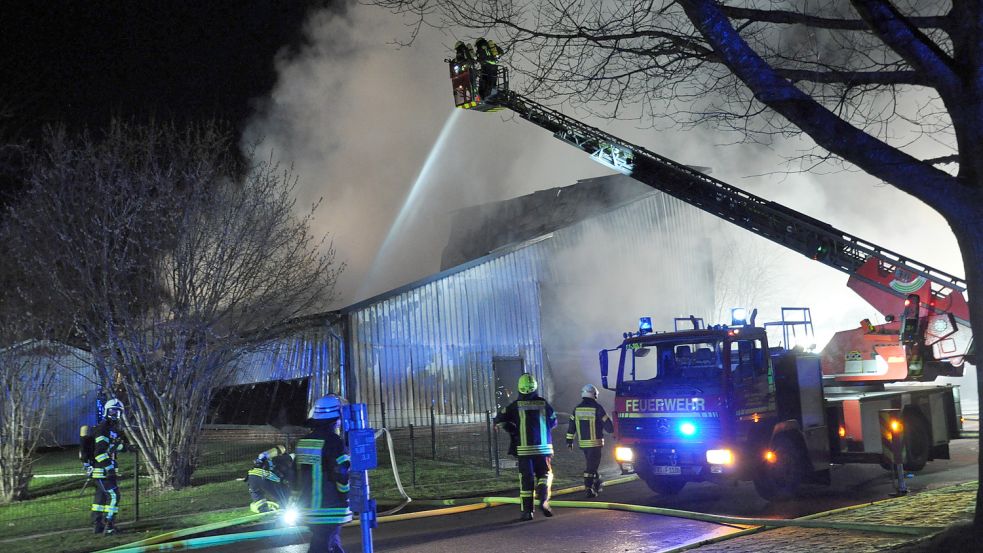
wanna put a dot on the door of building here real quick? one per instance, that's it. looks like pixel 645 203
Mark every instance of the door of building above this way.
pixel 507 372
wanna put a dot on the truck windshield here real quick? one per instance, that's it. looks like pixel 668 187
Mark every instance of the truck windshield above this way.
pixel 674 361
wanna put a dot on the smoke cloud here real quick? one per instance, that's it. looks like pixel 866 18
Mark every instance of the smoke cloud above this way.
pixel 370 128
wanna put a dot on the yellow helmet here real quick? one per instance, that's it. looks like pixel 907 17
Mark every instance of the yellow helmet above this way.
pixel 527 384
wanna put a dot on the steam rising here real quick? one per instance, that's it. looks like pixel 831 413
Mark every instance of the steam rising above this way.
pixel 359 119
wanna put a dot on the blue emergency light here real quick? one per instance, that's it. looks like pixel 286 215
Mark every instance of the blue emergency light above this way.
pixel 687 429
pixel 645 325
pixel 738 316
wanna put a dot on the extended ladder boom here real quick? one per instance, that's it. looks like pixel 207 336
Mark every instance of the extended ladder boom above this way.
pixel 792 229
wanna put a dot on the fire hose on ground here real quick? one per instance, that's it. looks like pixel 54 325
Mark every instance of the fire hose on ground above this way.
pixel 746 525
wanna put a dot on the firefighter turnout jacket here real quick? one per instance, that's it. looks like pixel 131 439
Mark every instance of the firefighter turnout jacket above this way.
pixel 107 444
pixel 270 479
pixel 530 419
pixel 323 466
pixel 588 424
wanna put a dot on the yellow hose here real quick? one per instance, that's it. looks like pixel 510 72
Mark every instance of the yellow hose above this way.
pixel 747 525
pixel 722 519
pixel 160 538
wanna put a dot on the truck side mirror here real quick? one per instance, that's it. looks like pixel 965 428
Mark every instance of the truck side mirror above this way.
pixel 602 359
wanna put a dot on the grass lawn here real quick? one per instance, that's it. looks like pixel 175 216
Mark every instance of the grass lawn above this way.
pixel 57 516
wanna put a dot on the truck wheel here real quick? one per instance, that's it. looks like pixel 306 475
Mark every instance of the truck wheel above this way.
pixel 917 441
pixel 665 485
pixel 781 479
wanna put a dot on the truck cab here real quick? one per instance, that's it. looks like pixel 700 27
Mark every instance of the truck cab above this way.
pixel 716 404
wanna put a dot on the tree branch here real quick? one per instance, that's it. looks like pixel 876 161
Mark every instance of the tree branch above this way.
pixel 954 158
pixel 853 78
pixel 829 131
pixel 898 33
pixel 795 18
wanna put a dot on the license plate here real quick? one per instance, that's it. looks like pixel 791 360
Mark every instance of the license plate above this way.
pixel 667 470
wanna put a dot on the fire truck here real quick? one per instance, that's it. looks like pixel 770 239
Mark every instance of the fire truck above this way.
pixel 722 402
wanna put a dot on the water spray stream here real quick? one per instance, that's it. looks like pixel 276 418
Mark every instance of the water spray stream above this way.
pixel 409 204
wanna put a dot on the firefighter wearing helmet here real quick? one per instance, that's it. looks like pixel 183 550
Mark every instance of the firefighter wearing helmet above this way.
pixel 530 418
pixel 269 480
pixel 99 460
pixel 588 423
pixel 323 465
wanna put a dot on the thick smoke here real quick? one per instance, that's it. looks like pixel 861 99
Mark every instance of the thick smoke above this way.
pixel 362 120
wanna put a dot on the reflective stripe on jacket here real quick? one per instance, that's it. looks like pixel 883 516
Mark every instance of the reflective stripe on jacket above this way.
pixel 322 475
pixel 588 424
pixel 533 418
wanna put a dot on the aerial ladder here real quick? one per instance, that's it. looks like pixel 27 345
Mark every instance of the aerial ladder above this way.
pixel 927 333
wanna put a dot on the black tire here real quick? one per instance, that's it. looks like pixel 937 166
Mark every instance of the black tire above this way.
pixel 781 480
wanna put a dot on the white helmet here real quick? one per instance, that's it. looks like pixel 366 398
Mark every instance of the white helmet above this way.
pixel 113 409
pixel 327 407
pixel 589 390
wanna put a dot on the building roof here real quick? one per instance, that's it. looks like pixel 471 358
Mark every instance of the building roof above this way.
pixel 482 229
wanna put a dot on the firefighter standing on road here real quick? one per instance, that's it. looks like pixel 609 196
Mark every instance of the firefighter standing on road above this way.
pixel 100 464
pixel 323 466
pixel 588 424
pixel 531 418
pixel 269 480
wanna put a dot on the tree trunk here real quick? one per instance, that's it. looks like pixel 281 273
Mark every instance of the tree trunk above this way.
pixel 969 234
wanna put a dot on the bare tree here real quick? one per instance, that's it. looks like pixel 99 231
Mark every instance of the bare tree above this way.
pixel 172 256
pixel 26 377
pixel 868 81
pixel 747 273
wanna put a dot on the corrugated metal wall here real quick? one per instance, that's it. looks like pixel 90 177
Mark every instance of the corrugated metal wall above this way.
pixel 656 233
pixel 72 392
pixel 432 346
pixel 312 352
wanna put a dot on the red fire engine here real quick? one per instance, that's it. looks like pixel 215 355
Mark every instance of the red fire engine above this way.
pixel 721 402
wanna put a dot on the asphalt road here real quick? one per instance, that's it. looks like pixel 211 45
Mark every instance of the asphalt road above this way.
pixel 583 530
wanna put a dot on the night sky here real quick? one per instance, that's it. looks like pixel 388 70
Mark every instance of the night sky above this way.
pixel 82 62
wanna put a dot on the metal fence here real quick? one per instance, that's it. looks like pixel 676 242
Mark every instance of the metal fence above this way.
pixel 432 460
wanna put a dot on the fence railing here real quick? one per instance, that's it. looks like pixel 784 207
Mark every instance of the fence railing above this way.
pixel 433 461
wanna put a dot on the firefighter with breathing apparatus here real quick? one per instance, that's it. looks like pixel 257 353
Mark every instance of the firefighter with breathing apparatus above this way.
pixel 270 479
pixel 531 418
pixel 323 466
pixel 100 446
pixel 588 423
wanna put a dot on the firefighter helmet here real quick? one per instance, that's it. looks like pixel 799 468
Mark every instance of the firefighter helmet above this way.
pixel 327 407
pixel 527 384
pixel 112 409
pixel 589 390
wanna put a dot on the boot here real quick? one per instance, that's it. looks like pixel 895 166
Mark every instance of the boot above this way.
pixel 527 505
pixel 543 493
pixel 110 527
pixel 598 487
pixel 589 488
pixel 97 525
